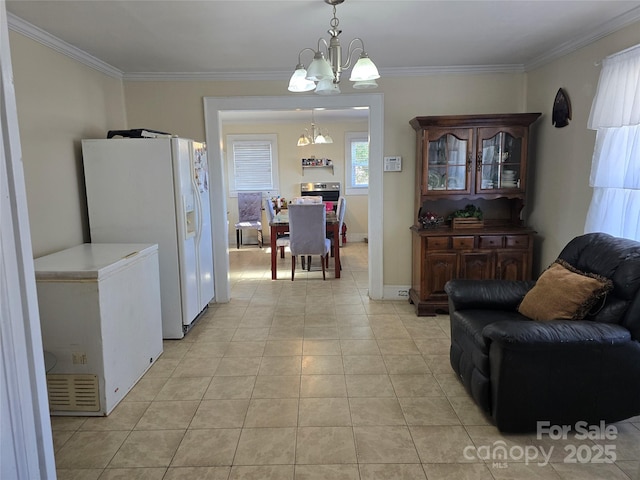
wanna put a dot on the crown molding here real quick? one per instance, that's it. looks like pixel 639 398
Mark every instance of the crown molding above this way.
pixel 601 31
pixel 203 76
pixel 37 34
pixel 385 72
pixel 452 69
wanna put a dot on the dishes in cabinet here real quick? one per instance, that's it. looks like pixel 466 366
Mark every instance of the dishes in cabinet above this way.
pixel 434 180
pixel 453 184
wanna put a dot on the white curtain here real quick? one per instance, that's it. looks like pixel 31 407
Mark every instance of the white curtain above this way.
pixel 615 168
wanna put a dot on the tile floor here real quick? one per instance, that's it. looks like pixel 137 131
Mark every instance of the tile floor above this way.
pixel 312 380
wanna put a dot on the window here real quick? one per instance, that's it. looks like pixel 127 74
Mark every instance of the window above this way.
pixel 356 163
pixel 615 168
pixel 252 162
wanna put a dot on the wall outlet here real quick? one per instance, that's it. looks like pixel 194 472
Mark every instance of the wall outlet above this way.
pixel 397 292
pixel 79 358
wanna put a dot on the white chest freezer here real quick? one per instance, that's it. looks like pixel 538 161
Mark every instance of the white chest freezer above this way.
pixel 101 321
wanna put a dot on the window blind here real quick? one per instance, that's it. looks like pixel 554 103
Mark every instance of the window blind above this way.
pixel 252 165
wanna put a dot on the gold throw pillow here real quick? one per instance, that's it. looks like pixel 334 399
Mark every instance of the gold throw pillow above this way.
pixel 564 292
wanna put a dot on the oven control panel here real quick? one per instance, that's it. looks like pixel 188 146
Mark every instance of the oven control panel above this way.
pixel 320 187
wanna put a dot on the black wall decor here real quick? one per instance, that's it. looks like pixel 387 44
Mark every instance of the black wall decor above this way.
pixel 561 109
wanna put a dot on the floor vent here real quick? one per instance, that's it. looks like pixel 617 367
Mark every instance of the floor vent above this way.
pixel 73 393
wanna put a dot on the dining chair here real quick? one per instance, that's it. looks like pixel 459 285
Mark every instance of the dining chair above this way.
pixel 308 234
pixel 342 207
pixel 249 215
pixel 282 241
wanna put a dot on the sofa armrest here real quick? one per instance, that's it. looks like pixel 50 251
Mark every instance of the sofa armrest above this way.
pixel 562 372
pixel 555 333
pixel 492 294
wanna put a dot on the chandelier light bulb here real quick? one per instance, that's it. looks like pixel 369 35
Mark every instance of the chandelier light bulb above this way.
pixel 364 70
pixel 303 140
pixel 319 69
pixel 327 87
pixel 365 84
pixel 299 82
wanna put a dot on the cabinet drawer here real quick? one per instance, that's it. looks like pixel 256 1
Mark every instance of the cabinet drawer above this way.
pixel 437 243
pixel 518 241
pixel 462 242
pixel 490 241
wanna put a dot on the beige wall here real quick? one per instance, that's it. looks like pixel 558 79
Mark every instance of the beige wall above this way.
pixel 177 107
pixel 290 171
pixel 59 103
pixel 561 193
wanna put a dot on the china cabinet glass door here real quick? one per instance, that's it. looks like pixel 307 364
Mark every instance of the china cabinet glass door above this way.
pixel 500 161
pixel 448 160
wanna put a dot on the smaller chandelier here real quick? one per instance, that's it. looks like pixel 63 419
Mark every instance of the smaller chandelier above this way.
pixel 323 74
pixel 316 135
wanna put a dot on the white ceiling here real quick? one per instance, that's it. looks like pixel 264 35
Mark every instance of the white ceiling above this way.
pixel 236 38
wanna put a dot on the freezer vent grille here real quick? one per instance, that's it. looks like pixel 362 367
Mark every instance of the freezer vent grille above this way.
pixel 73 392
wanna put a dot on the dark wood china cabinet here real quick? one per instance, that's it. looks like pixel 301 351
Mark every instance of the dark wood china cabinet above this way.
pixel 470 159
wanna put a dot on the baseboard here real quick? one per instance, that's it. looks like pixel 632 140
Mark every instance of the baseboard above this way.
pixel 356 237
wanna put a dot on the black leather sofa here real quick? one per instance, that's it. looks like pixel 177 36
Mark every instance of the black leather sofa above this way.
pixel 521 371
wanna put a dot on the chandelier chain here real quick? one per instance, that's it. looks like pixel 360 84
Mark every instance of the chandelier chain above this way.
pixel 334 21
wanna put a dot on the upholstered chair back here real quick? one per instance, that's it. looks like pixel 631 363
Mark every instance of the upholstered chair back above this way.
pixel 249 206
pixel 308 229
pixel 619 260
pixel 269 210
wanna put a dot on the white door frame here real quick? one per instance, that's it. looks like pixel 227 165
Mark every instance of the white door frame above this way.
pixel 26 444
pixel 213 125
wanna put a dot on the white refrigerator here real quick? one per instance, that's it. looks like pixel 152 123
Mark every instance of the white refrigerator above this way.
pixel 156 190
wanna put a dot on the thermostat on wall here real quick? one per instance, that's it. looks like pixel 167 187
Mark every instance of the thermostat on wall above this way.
pixel 392 164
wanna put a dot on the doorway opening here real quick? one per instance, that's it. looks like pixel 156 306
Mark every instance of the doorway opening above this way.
pixel 214 108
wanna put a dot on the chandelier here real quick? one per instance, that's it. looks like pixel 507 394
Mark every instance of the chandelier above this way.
pixel 324 71
pixel 316 135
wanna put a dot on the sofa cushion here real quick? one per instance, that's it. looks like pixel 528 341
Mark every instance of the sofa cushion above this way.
pixel 563 292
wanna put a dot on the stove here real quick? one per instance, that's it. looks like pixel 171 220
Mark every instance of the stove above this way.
pixel 330 191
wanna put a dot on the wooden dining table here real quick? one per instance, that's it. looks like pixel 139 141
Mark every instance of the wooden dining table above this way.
pixel 280 225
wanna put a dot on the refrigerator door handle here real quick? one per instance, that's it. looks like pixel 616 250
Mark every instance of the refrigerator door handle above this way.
pixel 198 233
pixel 198 208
